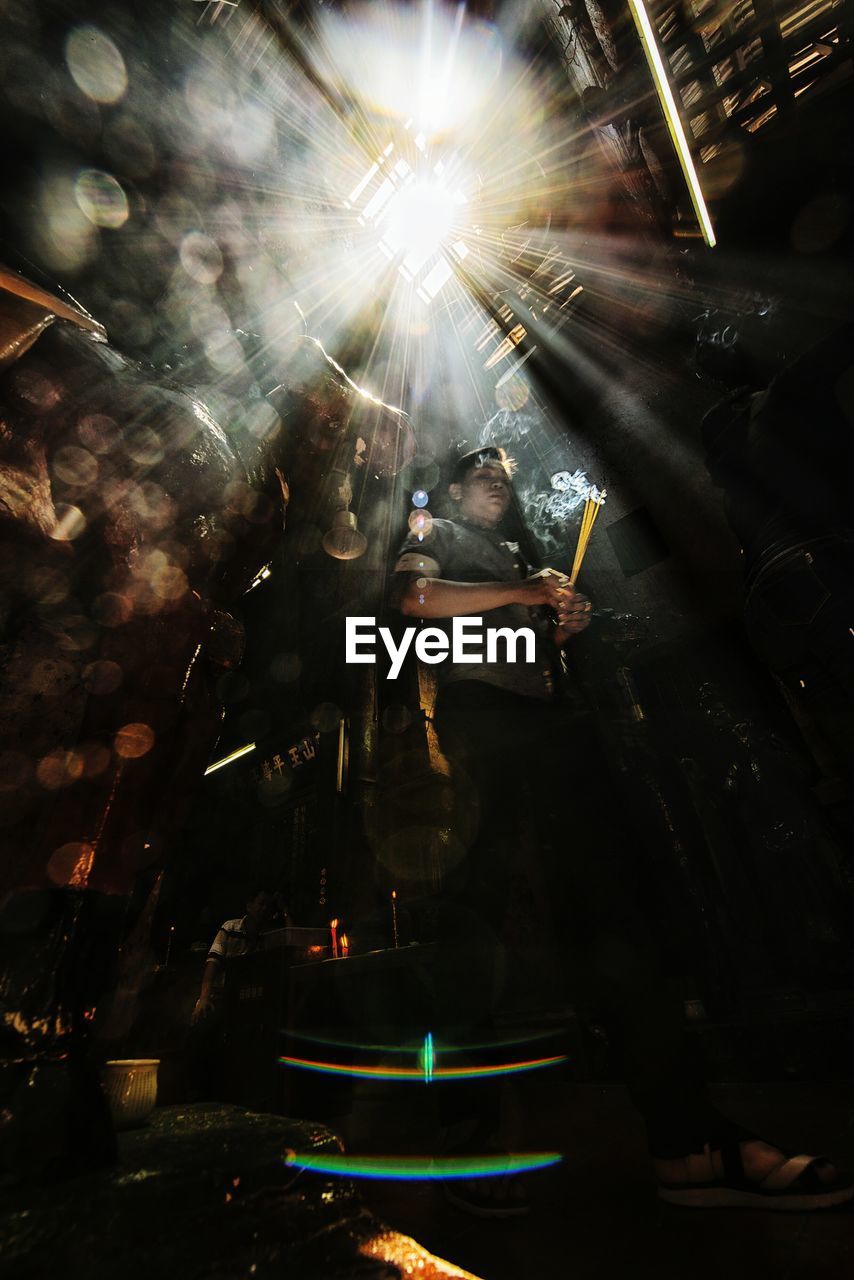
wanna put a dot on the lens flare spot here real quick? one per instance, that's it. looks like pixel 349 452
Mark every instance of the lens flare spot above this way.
pixel 273 790
pixel 326 716
pixel 96 758
pixel 102 677
pixel 201 258
pixel 111 609
pixel 134 740
pixel 420 523
pixel 71 864
pixel 98 432
pixel 50 678
pixel 96 64
pixel 144 447
pixel 416 1073
pixel 397 718
pixel 285 667
pixel 70 523
pixel 101 198
pixel 59 769
pixel 75 466
pixel 421 1168
pixel 49 586
pixel 169 583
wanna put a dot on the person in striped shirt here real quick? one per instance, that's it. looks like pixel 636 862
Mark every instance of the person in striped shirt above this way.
pixel 237 937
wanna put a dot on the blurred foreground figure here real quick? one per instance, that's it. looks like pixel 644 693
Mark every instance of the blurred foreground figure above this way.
pixel 131 522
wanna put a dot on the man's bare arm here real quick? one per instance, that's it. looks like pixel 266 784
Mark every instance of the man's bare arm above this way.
pixel 425 597
pixel 209 977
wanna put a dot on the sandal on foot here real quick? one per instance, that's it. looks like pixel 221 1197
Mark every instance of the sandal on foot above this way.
pixel 794 1185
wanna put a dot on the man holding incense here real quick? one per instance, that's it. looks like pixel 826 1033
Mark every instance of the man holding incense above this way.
pixel 523 753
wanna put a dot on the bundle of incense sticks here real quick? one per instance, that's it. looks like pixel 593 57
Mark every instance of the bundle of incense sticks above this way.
pixel 592 503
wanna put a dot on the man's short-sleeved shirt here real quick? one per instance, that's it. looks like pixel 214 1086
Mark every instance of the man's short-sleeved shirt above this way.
pixel 230 941
pixel 460 552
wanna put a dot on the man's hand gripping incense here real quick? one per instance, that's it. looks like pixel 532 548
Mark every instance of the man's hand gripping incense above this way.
pixel 572 609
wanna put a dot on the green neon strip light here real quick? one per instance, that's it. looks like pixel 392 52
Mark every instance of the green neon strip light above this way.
pixel 235 755
pixel 419 1072
pixel 421 1168
pixel 671 115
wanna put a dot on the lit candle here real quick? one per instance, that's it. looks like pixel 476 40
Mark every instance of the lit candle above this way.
pixel 169 945
pixel 333 929
pixel 345 945
pixel 394 915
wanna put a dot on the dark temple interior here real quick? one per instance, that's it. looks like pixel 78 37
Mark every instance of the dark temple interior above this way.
pixel 268 270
